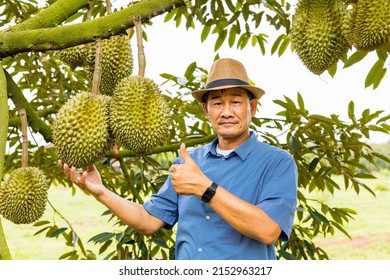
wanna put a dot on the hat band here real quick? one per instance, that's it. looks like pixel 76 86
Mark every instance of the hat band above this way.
pixel 226 82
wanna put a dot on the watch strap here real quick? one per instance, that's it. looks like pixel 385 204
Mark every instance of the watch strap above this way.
pixel 209 193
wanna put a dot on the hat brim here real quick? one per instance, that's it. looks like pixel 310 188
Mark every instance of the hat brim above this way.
pixel 257 92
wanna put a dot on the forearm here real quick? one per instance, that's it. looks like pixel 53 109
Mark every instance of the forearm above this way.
pixel 246 218
pixel 130 213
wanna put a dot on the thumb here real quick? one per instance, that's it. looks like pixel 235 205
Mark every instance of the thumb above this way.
pixel 184 154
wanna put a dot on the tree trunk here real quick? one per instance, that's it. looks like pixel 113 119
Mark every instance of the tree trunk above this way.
pixel 4 250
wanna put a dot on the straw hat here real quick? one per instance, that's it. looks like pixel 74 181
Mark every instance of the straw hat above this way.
pixel 227 73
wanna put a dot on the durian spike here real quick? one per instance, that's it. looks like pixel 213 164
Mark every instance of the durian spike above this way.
pixel 141 53
pixel 23 120
pixel 97 73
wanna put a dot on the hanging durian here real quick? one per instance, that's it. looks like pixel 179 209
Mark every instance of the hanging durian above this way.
pixel 371 28
pixel 117 62
pixel 139 114
pixel 81 133
pixel 316 33
pixel 73 56
pixel 23 195
pixel 348 25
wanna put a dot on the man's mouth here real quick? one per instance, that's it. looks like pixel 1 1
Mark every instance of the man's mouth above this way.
pixel 227 123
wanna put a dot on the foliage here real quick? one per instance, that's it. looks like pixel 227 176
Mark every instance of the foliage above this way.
pixel 322 146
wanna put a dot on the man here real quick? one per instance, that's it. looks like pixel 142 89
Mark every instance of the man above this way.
pixel 232 198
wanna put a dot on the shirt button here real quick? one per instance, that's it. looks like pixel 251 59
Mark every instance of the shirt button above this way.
pixel 200 250
pixel 207 217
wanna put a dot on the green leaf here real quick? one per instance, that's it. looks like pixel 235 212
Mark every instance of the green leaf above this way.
pixel 232 35
pixel 276 44
pixel 301 102
pixel 354 58
pixel 105 246
pixel 283 46
pixel 364 176
pixel 57 232
pixel 375 73
pixel 40 223
pixel 102 237
pixel 221 38
pixel 313 164
pixel 382 54
pixel 332 70
pixel 351 110
pixel 318 216
pixel 205 32
pixel 41 230
pixel 69 254
pixel 293 144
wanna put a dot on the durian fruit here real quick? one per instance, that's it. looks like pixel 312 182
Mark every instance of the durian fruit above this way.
pixel 117 62
pixel 139 114
pixel 348 25
pixel 316 33
pixel 81 134
pixel 73 56
pixel 371 29
pixel 23 195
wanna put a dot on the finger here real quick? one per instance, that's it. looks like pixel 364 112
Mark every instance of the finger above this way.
pixel 184 154
pixel 65 167
pixel 173 168
pixel 91 167
pixel 74 175
pixel 83 178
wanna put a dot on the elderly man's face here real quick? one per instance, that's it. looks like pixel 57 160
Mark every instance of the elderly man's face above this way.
pixel 230 112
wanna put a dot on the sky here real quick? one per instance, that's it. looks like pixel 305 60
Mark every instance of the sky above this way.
pixel 171 50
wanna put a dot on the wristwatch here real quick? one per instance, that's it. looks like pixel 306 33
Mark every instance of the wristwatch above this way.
pixel 209 193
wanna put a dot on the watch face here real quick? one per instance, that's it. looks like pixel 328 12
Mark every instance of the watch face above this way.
pixel 209 193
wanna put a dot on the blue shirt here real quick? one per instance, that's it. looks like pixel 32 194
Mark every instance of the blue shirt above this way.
pixel 256 172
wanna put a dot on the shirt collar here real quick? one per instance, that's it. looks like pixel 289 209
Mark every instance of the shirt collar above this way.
pixel 242 151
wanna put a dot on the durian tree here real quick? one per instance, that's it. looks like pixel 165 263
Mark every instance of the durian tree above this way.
pixel 42 49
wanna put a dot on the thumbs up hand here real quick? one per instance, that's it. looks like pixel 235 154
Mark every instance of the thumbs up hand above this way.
pixel 187 178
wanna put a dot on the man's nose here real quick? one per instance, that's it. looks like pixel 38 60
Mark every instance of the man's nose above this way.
pixel 227 110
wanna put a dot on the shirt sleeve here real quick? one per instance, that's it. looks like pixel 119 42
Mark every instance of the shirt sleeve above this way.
pixel 163 204
pixel 279 195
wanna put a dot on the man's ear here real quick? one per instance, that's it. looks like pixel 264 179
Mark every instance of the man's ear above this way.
pixel 253 106
pixel 205 110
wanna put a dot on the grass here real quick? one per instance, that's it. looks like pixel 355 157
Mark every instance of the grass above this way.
pixel 370 231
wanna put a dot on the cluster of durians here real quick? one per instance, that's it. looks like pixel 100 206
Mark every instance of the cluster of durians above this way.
pixel 129 110
pixel 323 31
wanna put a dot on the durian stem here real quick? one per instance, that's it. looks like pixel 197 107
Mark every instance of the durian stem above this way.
pixel 97 73
pixel 108 7
pixel 23 120
pixel 89 12
pixel 141 54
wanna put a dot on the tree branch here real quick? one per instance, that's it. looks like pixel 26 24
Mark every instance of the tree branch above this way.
pixel 52 16
pixel 17 97
pixel 4 249
pixel 61 37
pixel 164 149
